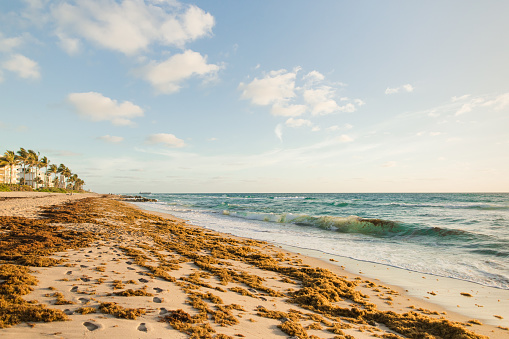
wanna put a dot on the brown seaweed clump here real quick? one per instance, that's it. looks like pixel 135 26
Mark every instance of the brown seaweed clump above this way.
pixel 142 292
pixel 183 322
pixel 293 329
pixel 121 312
pixel 17 281
pixel 86 310
pixel 28 242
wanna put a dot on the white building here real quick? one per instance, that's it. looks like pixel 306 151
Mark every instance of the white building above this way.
pixel 5 174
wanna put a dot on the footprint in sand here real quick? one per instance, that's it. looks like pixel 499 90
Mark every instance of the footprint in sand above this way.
pixel 142 327
pixel 129 262
pixel 130 268
pixel 143 280
pixel 157 300
pixel 69 272
pixel 74 289
pixel 84 300
pixel 89 251
pixel 158 290
pixel 83 266
pixel 163 311
pixel 90 326
pixel 68 311
pixel 85 279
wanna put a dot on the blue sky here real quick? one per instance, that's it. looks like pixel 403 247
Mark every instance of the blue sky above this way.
pixel 260 96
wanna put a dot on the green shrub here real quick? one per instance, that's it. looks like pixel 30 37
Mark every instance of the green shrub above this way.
pixel 4 188
pixel 13 188
pixel 52 190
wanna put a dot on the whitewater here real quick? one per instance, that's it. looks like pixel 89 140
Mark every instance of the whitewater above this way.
pixel 460 236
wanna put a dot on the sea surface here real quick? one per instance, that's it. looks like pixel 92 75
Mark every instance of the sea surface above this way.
pixel 462 236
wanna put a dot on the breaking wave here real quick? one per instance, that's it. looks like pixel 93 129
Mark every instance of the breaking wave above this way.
pixel 352 224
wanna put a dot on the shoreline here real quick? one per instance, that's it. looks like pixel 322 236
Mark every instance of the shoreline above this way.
pixel 124 258
pixel 486 301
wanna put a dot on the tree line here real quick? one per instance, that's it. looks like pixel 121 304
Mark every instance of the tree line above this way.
pixel 32 163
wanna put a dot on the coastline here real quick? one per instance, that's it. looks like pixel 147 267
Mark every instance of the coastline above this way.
pixel 124 248
pixel 433 290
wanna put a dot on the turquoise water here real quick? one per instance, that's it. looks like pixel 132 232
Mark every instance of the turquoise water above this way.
pixel 462 236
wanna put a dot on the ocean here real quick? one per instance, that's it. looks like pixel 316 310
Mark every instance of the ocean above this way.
pixel 460 236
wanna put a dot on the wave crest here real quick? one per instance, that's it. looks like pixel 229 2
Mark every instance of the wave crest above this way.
pixel 354 224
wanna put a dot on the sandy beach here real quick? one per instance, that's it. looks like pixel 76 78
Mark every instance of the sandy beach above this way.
pixel 89 266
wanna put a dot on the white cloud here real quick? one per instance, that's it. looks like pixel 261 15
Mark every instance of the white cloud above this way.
pixel 277 87
pixel 279 132
pixel 320 100
pixel 359 102
pixel 297 122
pixel 166 139
pixel 315 129
pixel 405 88
pixel 465 109
pixel 23 66
pixel 130 26
pixel 500 102
pixel 408 88
pixel 345 138
pixel 70 45
pixel 461 98
pixel 8 44
pixel 469 106
pixel 167 76
pixel 333 128
pixel 111 138
pixel 348 108
pixel 314 76
pixel 97 107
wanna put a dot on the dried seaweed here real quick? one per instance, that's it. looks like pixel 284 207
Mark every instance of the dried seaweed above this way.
pixel 121 312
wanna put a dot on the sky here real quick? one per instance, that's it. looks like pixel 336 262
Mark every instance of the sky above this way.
pixel 260 96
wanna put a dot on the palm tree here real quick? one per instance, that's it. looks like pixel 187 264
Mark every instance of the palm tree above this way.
pixel 23 159
pixel 51 170
pixel 38 181
pixel 67 175
pixel 73 180
pixel 9 159
pixel 61 170
pixel 55 181
pixel 33 162
pixel 79 184
pixel 44 162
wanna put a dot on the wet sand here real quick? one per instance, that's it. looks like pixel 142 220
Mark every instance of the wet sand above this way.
pixel 105 269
